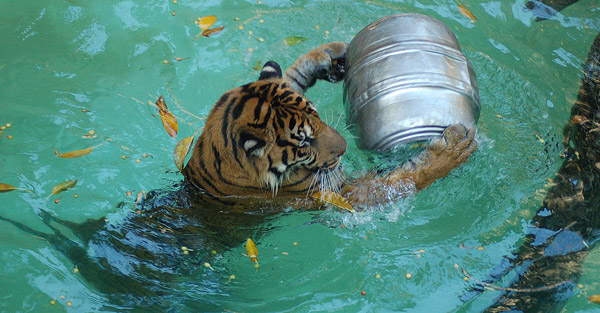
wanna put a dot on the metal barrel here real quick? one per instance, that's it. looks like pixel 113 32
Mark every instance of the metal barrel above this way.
pixel 407 80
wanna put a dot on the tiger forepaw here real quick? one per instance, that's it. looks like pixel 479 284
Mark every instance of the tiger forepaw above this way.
pixel 337 60
pixel 325 62
pixel 452 148
pixel 457 143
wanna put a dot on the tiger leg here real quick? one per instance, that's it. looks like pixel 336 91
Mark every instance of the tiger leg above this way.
pixel 324 62
pixel 441 156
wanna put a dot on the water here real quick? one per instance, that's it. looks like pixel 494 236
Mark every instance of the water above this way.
pixel 107 58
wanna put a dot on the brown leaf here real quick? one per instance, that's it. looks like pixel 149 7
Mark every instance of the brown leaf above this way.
pixel 465 12
pixel 333 198
pixel 213 31
pixel 181 151
pixel 160 104
pixel 7 188
pixel 76 153
pixel 206 22
pixel 168 119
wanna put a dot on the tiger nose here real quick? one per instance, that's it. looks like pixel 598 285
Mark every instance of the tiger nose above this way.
pixel 339 144
pixel 340 148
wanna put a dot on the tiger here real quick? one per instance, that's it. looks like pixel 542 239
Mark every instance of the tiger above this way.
pixel 267 137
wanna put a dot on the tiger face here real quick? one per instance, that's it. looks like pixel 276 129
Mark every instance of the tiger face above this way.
pixel 265 136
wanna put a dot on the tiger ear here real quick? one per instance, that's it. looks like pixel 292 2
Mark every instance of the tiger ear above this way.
pixel 252 144
pixel 270 70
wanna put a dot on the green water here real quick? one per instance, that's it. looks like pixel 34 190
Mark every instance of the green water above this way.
pixel 71 67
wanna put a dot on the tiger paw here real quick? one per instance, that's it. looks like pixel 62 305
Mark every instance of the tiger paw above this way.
pixel 325 62
pixel 337 60
pixel 451 149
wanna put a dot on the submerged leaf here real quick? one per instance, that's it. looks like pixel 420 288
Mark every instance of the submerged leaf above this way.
pixel 206 22
pixel 465 12
pixel 168 119
pixel 293 40
pixel 76 153
pixel 181 151
pixel 333 198
pixel 252 250
pixel 7 188
pixel 594 298
pixel 212 31
pixel 63 186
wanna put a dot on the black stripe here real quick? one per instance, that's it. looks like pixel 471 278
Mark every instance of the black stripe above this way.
pixel 235 155
pixel 298 83
pixel 284 157
pixel 258 109
pixel 284 143
pixel 225 119
pixel 300 73
pixel 265 121
pixel 217 163
pixel 203 180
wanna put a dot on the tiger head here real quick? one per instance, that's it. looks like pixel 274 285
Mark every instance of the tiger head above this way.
pixel 265 136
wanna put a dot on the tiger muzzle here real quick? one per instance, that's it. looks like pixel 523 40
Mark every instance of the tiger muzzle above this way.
pixel 331 146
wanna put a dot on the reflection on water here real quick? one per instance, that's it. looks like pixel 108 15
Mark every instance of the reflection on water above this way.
pixel 567 226
pixel 141 261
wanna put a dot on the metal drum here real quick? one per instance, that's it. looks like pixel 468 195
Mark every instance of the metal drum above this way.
pixel 407 80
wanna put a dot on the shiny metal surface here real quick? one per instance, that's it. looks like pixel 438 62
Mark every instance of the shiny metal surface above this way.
pixel 406 80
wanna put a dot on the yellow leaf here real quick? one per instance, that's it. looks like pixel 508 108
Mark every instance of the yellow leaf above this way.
pixel 465 12
pixel 169 123
pixel 252 250
pixel 206 22
pixel 181 151
pixel 213 31
pixel 293 40
pixel 333 198
pixel 594 298
pixel 7 188
pixel 63 186
pixel 168 119
pixel 76 153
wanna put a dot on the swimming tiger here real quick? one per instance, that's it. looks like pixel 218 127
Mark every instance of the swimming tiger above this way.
pixel 262 138
pixel 267 136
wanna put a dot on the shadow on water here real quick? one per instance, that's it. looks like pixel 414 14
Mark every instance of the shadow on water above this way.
pixel 546 9
pixel 137 261
pixel 567 226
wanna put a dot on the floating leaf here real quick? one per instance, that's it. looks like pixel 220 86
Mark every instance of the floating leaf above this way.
pixel 7 188
pixel 63 186
pixel 161 104
pixel 168 119
pixel 76 153
pixel 212 31
pixel 181 151
pixel 465 12
pixel 293 40
pixel 333 198
pixel 206 22
pixel 252 251
pixel 594 298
